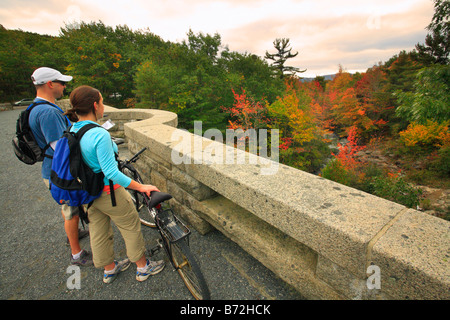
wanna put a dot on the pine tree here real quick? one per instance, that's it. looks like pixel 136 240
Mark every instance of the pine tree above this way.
pixel 280 58
pixel 437 42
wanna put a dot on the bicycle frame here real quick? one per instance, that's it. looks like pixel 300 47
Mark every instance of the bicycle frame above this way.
pixel 170 228
pixel 168 224
pixel 174 234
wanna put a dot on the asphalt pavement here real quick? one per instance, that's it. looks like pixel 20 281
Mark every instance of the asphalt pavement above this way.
pixel 34 257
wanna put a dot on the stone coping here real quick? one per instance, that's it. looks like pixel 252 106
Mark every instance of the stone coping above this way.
pixel 350 228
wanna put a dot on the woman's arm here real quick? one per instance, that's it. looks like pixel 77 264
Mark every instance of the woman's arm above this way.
pixel 109 166
pixel 146 188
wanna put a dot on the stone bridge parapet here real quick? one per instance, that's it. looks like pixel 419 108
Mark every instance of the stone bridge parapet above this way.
pixel 327 240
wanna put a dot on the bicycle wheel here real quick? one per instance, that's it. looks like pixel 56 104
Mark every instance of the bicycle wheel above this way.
pixel 189 270
pixel 143 210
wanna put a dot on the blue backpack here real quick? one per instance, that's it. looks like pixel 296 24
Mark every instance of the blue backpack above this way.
pixel 72 181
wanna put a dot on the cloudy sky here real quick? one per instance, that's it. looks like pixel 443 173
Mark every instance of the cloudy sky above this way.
pixel 327 33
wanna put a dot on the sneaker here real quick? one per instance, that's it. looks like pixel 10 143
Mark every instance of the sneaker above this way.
pixel 85 259
pixel 152 268
pixel 120 266
pixel 81 234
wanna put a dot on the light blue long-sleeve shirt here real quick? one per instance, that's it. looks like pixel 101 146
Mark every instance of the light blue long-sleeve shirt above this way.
pixel 98 150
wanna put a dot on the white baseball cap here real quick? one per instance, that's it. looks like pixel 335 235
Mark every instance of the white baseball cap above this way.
pixel 44 75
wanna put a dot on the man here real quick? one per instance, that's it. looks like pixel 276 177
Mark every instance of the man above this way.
pixel 48 123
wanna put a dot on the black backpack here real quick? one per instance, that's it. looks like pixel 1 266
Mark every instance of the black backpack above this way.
pixel 24 143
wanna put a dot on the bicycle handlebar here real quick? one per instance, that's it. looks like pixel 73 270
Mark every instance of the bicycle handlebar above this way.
pixel 134 158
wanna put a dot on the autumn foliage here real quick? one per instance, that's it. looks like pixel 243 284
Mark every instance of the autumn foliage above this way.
pixel 426 137
pixel 402 102
pixel 358 108
pixel 246 112
pixel 308 113
pixel 347 153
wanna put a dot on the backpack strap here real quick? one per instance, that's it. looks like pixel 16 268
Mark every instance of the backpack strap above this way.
pixel 29 108
pixel 36 103
pixel 80 133
pixel 55 106
pixel 111 192
pixel 83 215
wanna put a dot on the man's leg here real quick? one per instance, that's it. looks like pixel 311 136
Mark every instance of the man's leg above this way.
pixel 71 220
pixel 71 227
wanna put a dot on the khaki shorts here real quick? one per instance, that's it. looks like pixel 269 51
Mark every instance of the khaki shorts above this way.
pixel 68 212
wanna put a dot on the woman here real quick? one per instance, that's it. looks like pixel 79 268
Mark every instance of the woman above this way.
pixel 98 150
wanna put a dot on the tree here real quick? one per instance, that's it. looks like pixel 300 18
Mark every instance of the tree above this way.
pixel 152 86
pixel 436 48
pixel 302 144
pixel 104 57
pixel 251 72
pixel 370 92
pixel 20 54
pixel 93 58
pixel 430 99
pixel 401 71
pixel 437 43
pixel 247 113
pixel 204 45
pixel 284 53
pixel 399 75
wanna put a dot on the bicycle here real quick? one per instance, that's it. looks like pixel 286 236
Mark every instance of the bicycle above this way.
pixel 155 212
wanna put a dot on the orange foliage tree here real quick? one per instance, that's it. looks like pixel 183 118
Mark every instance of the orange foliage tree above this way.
pixel 347 153
pixel 292 116
pixel 302 143
pixel 426 137
pixel 353 102
pixel 246 113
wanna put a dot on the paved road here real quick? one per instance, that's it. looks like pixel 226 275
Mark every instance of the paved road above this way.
pixel 34 257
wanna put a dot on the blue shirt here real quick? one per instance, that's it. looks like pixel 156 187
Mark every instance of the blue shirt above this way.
pixel 48 124
pixel 98 151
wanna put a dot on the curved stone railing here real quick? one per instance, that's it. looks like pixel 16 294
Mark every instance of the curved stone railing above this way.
pixel 327 240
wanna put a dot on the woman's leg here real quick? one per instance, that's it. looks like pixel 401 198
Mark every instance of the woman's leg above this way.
pixel 101 233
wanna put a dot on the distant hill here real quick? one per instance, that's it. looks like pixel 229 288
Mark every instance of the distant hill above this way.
pixel 327 77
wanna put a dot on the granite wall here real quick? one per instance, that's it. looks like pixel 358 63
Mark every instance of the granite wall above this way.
pixel 327 240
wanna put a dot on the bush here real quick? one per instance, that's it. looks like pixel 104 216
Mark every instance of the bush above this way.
pixel 369 173
pixel 396 189
pixel 373 180
pixel 337 172
pixel 421 138
pixel 440 162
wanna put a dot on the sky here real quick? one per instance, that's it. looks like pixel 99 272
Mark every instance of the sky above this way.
pixel 326 33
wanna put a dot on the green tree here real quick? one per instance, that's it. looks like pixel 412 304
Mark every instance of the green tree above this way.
pixel 106 58
pixel 93 59
pixel 399 76
pixel 152 86
pixel 430 99
pixel 20 54
pixel 185 79
pixel 437 42
pixel 249 71
pixel 283 54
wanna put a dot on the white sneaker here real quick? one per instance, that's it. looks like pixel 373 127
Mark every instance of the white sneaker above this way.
pixel 120 266
pixel 152 268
